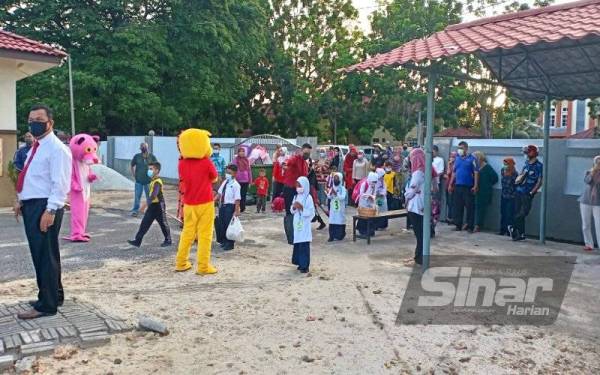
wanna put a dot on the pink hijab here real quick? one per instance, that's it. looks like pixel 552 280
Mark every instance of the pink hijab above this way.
pixel 417 160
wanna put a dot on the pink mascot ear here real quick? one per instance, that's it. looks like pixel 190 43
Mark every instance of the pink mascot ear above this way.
pixel 96 138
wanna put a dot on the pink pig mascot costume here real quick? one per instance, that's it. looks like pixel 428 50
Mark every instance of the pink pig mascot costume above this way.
pixel 83 148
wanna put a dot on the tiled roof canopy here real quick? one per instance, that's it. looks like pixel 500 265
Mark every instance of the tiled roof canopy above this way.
pixel 458 133
pixel 15 43
pixel 553 50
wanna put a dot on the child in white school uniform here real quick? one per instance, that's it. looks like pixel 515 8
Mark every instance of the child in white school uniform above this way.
pixel 228 198
pixel 337 195
pixel 303 209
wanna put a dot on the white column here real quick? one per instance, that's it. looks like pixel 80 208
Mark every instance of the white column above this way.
pixel 8 95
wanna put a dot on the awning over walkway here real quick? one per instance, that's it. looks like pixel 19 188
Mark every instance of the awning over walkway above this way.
pixel 551 51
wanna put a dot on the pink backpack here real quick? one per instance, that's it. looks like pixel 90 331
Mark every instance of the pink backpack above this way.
pixel 356 191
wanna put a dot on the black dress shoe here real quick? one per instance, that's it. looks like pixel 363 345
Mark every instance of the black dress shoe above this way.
pixel 32 314
pixel 166 244
pixel 134 243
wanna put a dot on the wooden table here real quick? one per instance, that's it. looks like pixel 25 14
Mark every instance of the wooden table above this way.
pixel 369 219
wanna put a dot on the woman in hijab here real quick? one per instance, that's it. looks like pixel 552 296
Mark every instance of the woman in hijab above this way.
pixel 337 158
pixel 507 199
pixel 337 195
pixel 589 204
pixel 348 165
pixel 360 168
pixel 415 199
pixel 303 210
pixel 244 175
pixel 487 179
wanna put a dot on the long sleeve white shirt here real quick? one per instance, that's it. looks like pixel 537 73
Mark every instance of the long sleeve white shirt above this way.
pixel 49 173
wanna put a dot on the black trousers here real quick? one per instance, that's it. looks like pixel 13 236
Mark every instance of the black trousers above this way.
pixel 155 211
pixel 507 213
pixel 277 189
pixel 243 193
pixel 288 195
pixel 416 221
pixel 464 199
pixel 225 215
pixel 337 232
pixel 301 255
pixel 45 253
pixel 522 208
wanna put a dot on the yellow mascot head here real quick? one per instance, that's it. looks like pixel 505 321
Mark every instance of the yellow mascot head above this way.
pixel 195 144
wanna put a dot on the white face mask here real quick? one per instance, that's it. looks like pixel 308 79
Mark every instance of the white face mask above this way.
pixel 228 177
pixel 300 190
pixel 461 152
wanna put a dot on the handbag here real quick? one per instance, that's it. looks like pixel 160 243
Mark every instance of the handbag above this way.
pixel 235 231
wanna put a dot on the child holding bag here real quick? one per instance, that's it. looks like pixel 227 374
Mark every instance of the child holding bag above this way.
pixel 228 197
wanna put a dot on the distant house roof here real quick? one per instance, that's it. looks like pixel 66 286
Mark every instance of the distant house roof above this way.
pixel 458 133
pixel 10 42
pixel 587 134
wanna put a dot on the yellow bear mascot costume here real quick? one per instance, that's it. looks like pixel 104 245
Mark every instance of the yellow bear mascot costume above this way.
pixel 197 174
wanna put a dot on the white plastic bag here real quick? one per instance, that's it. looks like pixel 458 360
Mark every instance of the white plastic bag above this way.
pixel 235 232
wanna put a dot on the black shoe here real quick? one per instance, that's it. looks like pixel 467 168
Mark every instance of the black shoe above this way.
pixel 520 238
pixel 314 220
pixel 322 226
pixel 134 243
pixel 330 240
pixel 227 248
pixel 303 270
pixel 166 243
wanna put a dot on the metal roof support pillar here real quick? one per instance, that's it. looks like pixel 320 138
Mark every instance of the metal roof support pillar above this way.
pixel 545 170
pixel 431 81
pixel 72 103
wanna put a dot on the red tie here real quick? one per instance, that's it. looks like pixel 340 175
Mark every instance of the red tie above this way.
pixel 21 179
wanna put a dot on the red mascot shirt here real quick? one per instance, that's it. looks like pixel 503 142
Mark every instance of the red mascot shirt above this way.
pixel 197 177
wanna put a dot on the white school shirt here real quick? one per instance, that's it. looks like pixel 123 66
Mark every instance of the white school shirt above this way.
pixel 232 193
pixel 302 219
pixel 49 174
pixel 438 166
pixel 414 193
pixel 337 206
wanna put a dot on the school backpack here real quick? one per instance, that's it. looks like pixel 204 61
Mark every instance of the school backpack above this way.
pixel 278 204
pixel 356 191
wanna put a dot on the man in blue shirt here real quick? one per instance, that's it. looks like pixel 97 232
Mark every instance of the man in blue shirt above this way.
pixel 464 184
pixel 21 154
pixel 218 160
pixel 528 183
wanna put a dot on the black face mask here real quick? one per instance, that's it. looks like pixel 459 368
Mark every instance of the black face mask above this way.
pixel 306 156
pixel 336 183
pixel 38 128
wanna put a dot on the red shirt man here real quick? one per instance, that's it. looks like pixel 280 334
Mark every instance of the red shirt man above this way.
pixel 296 166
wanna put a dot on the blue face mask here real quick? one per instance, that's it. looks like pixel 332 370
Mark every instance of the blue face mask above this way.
pixel 228 177
pixel 38 128
pixel 216 153
pixel 150 173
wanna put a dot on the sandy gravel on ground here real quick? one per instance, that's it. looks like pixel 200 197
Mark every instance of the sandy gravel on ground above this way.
pixel 259 316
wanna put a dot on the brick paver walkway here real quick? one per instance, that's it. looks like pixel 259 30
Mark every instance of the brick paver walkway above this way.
pixel 76 323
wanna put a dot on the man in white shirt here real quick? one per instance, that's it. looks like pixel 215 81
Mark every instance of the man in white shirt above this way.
pixel 439 166
pixel 42 189
pixel 229 197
